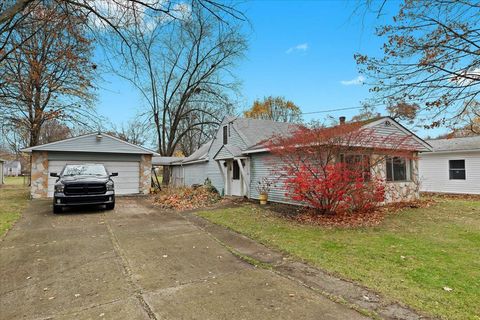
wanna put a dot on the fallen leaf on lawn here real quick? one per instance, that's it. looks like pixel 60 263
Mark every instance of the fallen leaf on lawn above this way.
pixel 165 256
pixel 28 278
pixel 101 314
pixel 45 289
pixel 77 295
pixel 292 295
pixel 51 298
pixel 447 289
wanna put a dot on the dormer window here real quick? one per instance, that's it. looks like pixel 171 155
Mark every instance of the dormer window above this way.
pixel 225 135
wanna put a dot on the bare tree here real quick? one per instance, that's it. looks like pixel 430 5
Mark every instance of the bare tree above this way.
pixel 53 130
pixel 182 68
pixel 116 15
pixel 47 76
pixel 431 58
pixel 135 131
pixel 200 134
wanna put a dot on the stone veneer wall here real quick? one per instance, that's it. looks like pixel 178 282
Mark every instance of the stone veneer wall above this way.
pixel 145 174
pixel 39 175
pixel 399 191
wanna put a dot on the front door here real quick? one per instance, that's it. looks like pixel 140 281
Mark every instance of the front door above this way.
pixel 235 179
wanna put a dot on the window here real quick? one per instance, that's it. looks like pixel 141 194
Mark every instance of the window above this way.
pixel 236 171
pixel 457 169
pixel 355 160
pixel 225 135
pixel 398 169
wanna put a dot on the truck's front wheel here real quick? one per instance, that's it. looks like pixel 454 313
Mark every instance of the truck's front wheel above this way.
pixel 111 206
pixel 57 209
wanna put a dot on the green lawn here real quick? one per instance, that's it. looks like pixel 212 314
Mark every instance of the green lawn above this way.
pixel 410 257
pixel 13 200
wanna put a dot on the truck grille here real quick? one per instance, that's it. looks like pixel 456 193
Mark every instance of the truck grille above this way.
pixel 77 189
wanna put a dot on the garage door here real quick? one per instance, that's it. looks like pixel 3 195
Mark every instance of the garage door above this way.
pixel 127 182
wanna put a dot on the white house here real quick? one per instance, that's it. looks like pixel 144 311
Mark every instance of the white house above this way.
pixel 236 159
pixel 452 167
pixel 12 168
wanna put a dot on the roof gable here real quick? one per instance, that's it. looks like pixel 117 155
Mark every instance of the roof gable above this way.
pixel 387 126
pixel 93 142
pixel 228 152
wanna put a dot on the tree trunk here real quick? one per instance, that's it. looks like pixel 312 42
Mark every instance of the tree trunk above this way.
pixel 166 175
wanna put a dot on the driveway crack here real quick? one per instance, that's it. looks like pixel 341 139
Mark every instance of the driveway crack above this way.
pixel 127 270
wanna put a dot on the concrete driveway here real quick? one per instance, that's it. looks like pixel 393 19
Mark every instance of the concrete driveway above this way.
pixel 138 262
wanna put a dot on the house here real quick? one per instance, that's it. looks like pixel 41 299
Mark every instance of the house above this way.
pixel 452 167
pixel 2 162
pixel 133 163
pixel 192 169
pixel 12 168
pixel 236 160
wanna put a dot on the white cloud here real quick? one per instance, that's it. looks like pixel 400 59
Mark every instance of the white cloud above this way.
pixel 353 82
pixel 299 47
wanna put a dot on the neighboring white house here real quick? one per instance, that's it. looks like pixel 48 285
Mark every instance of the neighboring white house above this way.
pixel 452 167
pixel 12 168
pixel 236 159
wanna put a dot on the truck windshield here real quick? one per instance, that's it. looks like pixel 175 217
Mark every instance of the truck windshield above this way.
pixel 84 170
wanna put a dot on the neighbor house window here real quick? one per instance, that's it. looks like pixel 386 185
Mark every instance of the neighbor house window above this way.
pixel 225 135
pixel 398 169
pixel 457 169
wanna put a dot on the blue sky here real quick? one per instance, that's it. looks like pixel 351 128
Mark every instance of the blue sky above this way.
pixel 302 50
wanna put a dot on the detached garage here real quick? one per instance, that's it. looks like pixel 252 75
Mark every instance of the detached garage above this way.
pixel 133 163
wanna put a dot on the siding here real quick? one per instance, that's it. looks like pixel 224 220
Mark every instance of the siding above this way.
pixel 383 131
pixel 434 173
pixel 89 156
pixel 262 165
pixel 223 154
pixel 195 173
pixel 177 176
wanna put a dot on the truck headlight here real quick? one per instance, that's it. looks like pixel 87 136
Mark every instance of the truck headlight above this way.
pixel 110 186
pixel 59 188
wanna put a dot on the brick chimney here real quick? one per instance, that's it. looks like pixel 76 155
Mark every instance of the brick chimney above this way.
pixel 342 119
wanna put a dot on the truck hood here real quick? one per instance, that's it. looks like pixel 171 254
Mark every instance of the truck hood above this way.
pixel 84 179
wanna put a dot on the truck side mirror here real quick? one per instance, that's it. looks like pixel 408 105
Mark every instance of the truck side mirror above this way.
pixel 114 174
pixel 54 174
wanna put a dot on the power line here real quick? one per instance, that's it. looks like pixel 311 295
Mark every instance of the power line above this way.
pixel 332 110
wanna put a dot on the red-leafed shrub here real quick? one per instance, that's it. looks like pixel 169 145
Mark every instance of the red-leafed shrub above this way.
pixel 331 169
pixel 333 188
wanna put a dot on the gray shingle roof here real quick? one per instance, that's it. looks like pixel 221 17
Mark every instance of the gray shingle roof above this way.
pixel 200 153
pixel 92 142
pixel 164 161
pixel 255 131
pixel 455 144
